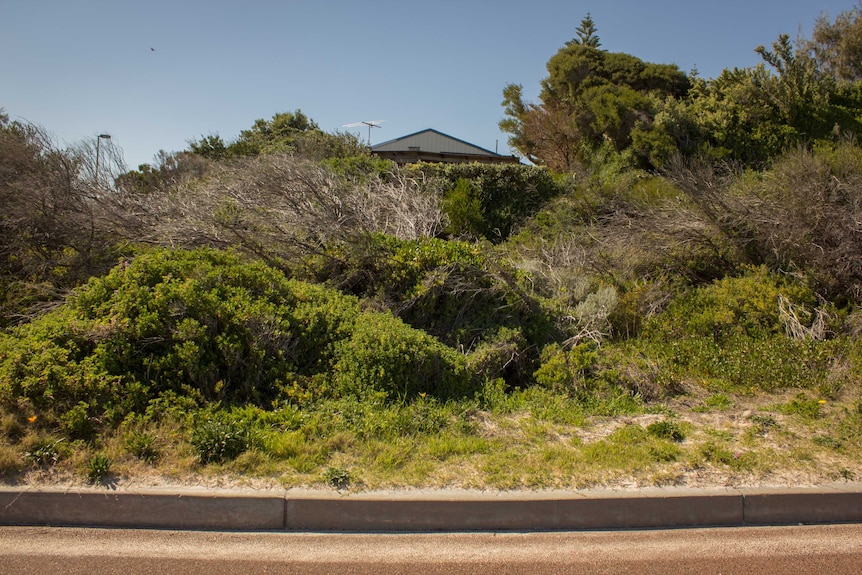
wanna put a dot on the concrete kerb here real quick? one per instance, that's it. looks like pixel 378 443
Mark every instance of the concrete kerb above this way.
pixel 427 511
pixel 184 509
pixel 839 503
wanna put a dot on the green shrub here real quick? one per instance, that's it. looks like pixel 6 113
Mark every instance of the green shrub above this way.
pixel 458 292
pixel 174 330
pixel 383 354
pixel 463 206
pixel 77 424
pixel 664 452
pixel 142 445
pixel 744 364
pixel 45 452
pixel 98 468
pixel 566 370
pixel 730 336
pixel 804 407
pixel 337 477
pixel 498 198
pixel 666 430
pixel 217 441
pixel 359 168
pixel 745 305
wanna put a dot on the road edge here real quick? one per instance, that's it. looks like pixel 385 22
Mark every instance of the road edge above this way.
pixel 422 511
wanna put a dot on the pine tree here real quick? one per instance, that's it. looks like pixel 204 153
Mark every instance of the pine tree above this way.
pixel 587 33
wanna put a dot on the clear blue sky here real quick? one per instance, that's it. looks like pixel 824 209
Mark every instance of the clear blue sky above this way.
pixel 84 67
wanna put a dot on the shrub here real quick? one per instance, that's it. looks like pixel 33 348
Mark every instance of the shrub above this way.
pixel 808 217
pixel 666 430
pixel 76 422
pixel 383 354
pixel 98 468
pixel 566 370
pixel 744 364
pixel 497 199
pixel 142 445
pixel 746 305
pixel 337 477
pixel 463 207
pixel 360 167
pixel 174 330
pixel 503 353
pixel 217 441
pixel 804 407
pixel 45 452
pixel 460 293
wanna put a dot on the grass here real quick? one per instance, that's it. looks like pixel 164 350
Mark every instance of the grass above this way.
pixel 535 439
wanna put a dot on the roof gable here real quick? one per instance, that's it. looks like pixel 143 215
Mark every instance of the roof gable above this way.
pixel 431 140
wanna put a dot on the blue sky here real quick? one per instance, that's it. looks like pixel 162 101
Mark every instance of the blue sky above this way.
pixel 84 67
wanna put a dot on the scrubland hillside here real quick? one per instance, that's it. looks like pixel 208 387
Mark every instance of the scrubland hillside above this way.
pixel 670 294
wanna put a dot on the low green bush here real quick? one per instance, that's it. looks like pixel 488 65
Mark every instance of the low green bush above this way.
pixel 220 440
pixel 745 305
pixel 490 201
pixel 666 429
pixel 337 477
pixel 566 371
pixel 142 445
pixel 175 330
pixel 45 452
pixel 463 206
pixel 98 468
pixel 461 293
pixel 383 354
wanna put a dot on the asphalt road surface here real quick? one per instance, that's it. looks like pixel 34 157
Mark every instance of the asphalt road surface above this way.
pixel 825 549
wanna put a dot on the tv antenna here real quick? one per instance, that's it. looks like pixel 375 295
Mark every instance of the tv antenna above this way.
pixel 369 123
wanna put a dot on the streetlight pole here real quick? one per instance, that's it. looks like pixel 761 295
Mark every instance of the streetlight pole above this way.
pixel 98 151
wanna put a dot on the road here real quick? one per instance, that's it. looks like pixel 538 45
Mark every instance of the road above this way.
pixel 831 549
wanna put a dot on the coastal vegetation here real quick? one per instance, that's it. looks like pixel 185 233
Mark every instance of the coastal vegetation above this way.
pixel 668 293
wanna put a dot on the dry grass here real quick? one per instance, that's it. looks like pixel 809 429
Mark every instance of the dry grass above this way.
pixel 766 440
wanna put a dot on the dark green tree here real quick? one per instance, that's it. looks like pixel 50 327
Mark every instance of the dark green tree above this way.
pixel 279 134
pixel 287 133
pixel 211 147
pixel 591 98
pixel 587 33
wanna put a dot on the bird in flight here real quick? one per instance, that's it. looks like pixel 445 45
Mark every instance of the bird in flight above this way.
pixel 152 49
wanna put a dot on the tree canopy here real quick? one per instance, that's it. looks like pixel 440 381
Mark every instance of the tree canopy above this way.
pixel 285 132
pixel 837 46
pixel 591 98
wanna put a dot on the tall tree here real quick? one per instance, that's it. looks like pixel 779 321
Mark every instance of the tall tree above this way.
pixel 837 46
pixel 587 33
pixel 590 99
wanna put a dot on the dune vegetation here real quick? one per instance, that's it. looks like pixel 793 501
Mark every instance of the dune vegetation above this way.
pixel 667 294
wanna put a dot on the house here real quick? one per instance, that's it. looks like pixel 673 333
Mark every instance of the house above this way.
pixel 433 146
